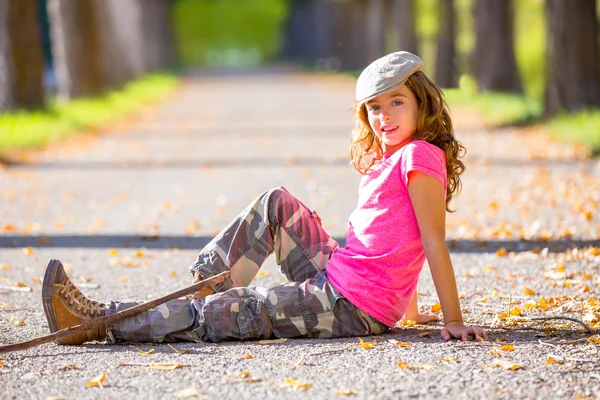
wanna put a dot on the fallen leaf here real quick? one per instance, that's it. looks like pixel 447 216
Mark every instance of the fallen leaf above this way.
pixel 249 356
pixel 404 365
pixel 297 384
pixel 516 312
pixel 552 360
pixel 27 251
pixel 163 367
pixel 113 252
pixel 139 254
pixel 346 392
pixel 142 351
pixel 178 351
pixel 424 334
pixel 403 344
pixel 2 364
pixel 8 227
pixel 243 374
pixel 508 347
pixel 4 267
pixel 272 341
pixel 365 345
pixel 437 307
pixel 189 392
pixel 449 360
pixel 528 291
pixel 124 278
pixel 504 364
pixel 20 322
pixel 595 339
pixel 407 322
pixel 98 381
pixel 495 352
pixel 501 252
pixel 35 280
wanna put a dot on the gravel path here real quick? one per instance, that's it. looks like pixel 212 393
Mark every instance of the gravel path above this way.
pixel 127 211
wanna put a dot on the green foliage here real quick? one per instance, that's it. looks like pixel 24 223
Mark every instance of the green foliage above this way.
pixel 496 108
pixel 21 129
pixel 228 32
pixel 582 127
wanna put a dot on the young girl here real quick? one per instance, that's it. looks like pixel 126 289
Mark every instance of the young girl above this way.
pixel 405 148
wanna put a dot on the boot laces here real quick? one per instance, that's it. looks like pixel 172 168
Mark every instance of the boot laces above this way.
pixel 73 294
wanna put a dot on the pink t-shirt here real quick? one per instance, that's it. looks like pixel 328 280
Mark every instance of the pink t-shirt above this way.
pixel 379 268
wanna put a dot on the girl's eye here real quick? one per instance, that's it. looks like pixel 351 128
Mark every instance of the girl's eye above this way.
pixel 374 108
pixel 397 103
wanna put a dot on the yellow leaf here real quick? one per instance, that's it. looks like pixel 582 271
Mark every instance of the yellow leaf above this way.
pixel 449 360
pixel 586 277
pixel 244 374
pixel 517 311
pixel 163 367
pixel 20 322
pixel 249 356
pixel 297 384
pixel 4 267
pixel 551 360
pixel 97 381
pixel 27 251
pixel 365 345
pixel 124 278
pixel 543 303
pixel 113 252
pixel 508 347
pixel 528 291
pixel 142 351
pixel 424 334
pixel 2 364
pixel 503 315
pixel 594 339
pixel 173 274
pixel 139 254
pixel 346 392
pixel 504 364
pixel 36 280
pixel 404 365
pixel 407 322
pixel 501 252
pixel 8 227
pixel 437 307
pixel 494 352
pixel 403 344
pixel 561 268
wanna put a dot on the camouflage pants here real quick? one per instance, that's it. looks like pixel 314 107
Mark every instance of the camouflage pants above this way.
pixel 306 306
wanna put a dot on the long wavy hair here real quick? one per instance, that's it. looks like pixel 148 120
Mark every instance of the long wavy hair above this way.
pixel 433 126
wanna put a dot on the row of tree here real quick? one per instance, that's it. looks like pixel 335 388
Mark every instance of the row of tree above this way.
pixel 96 45
pixel 348 34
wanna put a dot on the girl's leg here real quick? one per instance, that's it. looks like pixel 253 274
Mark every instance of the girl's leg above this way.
pixel 312 308
pixel 274 222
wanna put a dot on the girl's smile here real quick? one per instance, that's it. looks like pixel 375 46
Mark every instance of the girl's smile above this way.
pixel 393 118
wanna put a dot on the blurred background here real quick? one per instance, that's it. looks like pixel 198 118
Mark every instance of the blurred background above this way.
pixel 71 64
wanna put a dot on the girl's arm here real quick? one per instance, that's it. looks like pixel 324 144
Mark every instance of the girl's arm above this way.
pixel 413 314
pixel 429 202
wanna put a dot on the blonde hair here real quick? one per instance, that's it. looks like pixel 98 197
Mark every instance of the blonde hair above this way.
pixel 433 126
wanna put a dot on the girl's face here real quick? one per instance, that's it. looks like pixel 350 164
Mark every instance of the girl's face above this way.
pixel 393 117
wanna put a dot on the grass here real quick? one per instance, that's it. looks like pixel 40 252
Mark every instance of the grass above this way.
pixel 582 127
pixel 22 129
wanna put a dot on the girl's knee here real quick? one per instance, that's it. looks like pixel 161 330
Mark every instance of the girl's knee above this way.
pixel 238 313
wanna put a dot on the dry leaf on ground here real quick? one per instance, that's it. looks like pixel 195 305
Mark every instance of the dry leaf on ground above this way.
pixel 98 381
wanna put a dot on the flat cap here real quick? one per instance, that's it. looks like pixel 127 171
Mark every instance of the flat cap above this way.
pixel 386 74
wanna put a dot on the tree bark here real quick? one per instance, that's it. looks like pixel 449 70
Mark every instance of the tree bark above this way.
pixel 403 21
pixel 353 51
pixel 445 69
pixel 494 66
pixel 572 56
pixel 157 35
pixel 6 100
pixel 375 29
pixel 22 61
pixel 77 48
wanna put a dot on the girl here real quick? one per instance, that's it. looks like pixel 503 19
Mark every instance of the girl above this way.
pixel 405 148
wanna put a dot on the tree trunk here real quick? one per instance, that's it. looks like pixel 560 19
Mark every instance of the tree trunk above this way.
pixel 6 100
pixel 445 69
pixel 403 21
pixel 77 48
pixel 21 58
pixel 353 52
pixel 495 66
pixel 572 55
pixel 375 29
pixel 156 27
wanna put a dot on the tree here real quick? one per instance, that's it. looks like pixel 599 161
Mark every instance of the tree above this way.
pixel 21 59
pixel 494 63
pixel 403 20
pixel 445 69
pixel 572 55
pixel 353 51
pixel 375 29
pixel 77 48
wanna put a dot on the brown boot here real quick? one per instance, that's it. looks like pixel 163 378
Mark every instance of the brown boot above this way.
pixel 66 306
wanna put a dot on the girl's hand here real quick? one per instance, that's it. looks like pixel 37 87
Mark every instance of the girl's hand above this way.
pixel 457 330
pixel 422 318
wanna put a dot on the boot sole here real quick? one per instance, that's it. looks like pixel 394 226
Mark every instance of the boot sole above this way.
pixel 47 288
